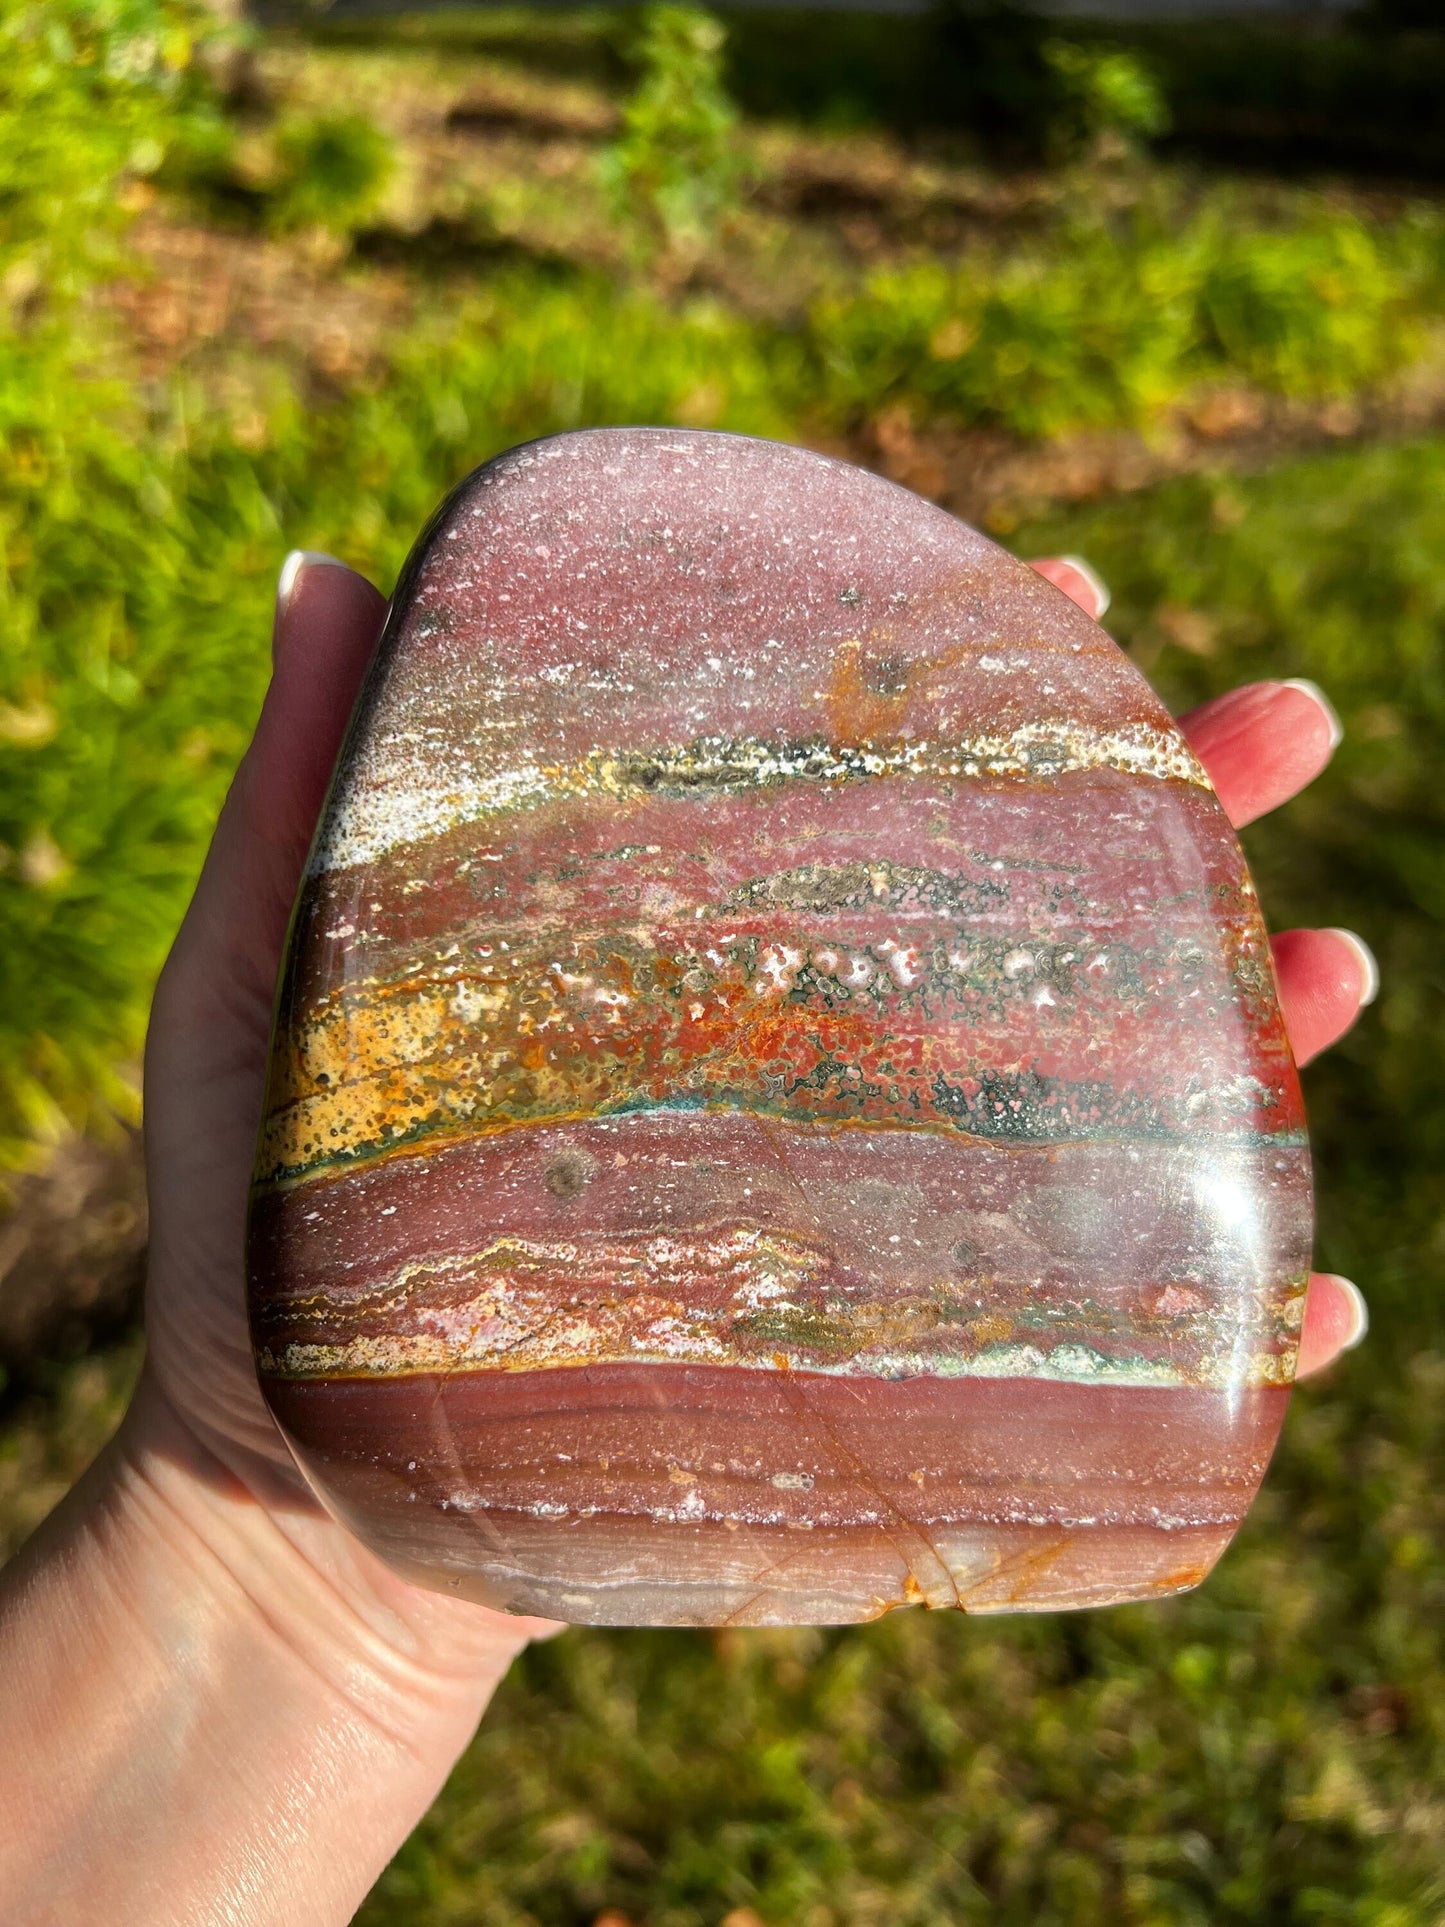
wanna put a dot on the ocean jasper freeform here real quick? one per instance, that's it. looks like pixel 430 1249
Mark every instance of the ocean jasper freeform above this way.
pixel 779 1108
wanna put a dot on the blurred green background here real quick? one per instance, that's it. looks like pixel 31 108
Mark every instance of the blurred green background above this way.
pixel 1167 296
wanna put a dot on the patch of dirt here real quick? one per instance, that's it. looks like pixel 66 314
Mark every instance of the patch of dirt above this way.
pixel 72 1250
pixel 537 119
pixel 997 481
pixel 879 199
pixel 203 291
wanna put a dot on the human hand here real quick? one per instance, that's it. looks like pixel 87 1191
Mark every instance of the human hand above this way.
pixel 357 1690
pixel 207 1058
pixel 206 1062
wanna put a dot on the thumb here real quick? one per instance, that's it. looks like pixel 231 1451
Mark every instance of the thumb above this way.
pixel 212 1010
pixel 328 619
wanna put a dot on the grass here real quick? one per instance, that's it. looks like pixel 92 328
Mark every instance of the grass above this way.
pixel 1103 323
pixel 1269 1749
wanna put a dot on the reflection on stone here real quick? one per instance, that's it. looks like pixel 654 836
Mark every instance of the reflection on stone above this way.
pixel 779 1108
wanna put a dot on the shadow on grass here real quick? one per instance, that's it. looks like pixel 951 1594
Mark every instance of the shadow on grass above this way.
pixel 446 247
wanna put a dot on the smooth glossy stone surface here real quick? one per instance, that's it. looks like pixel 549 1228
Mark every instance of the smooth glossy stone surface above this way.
pixel 779 1108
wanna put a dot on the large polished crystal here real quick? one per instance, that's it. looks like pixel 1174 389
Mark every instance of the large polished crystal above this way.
pixel 779 1108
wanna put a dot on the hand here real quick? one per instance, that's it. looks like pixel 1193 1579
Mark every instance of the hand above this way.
pixel 206 1061
pixel 1260 745
pixel 219 1706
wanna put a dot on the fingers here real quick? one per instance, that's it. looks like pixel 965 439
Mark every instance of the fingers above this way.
pixel 206 1053
pixel 328 619
pixel 1336 1318
pixel 1260 745
pixel 1326 977
pixel 1077 580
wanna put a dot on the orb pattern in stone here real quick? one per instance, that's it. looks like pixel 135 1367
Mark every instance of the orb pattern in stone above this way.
pixel 779 1108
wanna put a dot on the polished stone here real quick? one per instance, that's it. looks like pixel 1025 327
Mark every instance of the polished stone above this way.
pixel 779 1108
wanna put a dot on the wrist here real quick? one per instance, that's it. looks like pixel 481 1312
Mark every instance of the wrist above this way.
pixel 215 1711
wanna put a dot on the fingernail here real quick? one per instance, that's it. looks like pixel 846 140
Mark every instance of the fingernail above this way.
pixel 1332 717
pixel 291 568
pixel 1368 964
pixel 1102 598
pixel 1359 1311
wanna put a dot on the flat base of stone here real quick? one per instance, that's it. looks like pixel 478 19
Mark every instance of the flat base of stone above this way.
pixel 699 1576
pixel 660 1495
